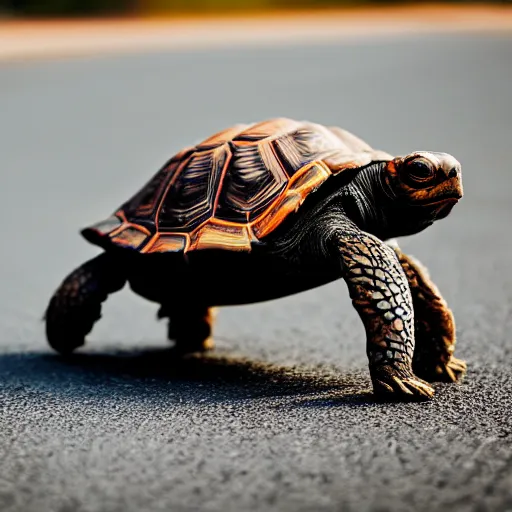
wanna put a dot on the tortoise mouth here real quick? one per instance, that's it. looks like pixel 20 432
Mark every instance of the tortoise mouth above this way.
pixel 442 207
pixel 441 200
pixel 444 200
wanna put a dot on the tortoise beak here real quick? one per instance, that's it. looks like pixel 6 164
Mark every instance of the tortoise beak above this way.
pixel 459 189
pixel 444 203
pixel 445 207
pixel 452 190
pixel 455 183
pixel 452 170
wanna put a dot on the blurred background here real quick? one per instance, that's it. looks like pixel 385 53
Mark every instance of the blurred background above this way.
pixel 169 7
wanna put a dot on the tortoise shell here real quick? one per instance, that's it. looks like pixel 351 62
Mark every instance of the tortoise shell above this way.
pixel 233 188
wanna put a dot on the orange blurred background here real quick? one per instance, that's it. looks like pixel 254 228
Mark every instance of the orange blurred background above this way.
pixel 73 8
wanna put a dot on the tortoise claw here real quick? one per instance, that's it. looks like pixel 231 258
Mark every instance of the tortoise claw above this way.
pixel 451 371
pixel 390 384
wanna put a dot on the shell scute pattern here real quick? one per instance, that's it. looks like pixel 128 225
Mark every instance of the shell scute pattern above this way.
pixel 234 187
pixel 270 128
pixel 221 137
pixel 254 178
pixel 144 203
pixel 191 197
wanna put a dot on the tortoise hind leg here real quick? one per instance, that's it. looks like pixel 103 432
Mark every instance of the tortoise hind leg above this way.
pixel 434 326
pixel 76 304
pixel 190 326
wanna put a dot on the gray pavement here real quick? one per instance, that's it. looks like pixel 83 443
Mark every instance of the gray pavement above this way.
pixel 280 417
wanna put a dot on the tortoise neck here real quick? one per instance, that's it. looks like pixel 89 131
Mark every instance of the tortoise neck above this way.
pixel 367 199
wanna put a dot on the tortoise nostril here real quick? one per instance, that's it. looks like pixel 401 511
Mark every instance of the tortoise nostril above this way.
pixel 452 173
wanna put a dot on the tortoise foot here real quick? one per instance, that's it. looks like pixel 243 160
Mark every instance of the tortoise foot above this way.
pixel 65 345
pixel 451 371
pixel 76 305
pixel 390 383
pixel 188 347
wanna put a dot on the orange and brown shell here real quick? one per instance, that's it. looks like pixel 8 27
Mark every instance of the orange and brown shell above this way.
pixel 232 189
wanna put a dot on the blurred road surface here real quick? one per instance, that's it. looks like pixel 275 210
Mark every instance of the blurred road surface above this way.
pixel 280 417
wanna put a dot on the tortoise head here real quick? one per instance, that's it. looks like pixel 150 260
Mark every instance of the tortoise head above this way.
pixel 426 186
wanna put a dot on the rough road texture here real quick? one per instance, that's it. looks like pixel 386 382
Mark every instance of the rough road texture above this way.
pixel 280 418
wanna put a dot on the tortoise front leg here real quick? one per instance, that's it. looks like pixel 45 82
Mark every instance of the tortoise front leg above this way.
pixel 381 295
pixel 434 326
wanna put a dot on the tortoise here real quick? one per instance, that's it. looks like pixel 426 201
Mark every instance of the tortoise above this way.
pixel 264 210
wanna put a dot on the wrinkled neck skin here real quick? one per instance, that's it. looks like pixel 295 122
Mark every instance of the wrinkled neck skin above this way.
pixel 371 203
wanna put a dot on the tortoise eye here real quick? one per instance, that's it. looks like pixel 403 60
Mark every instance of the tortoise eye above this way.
pixel 420 170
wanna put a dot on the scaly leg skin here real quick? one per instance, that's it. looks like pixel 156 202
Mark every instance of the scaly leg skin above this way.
pixel 76 304
pixel 381 295
pixel 434 326
pixel 190 327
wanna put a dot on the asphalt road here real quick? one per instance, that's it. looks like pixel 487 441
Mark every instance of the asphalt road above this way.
pixel 281 416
